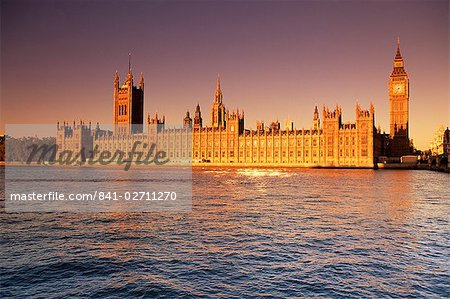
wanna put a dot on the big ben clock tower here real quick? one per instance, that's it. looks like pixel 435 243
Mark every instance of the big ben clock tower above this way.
pixel 399 107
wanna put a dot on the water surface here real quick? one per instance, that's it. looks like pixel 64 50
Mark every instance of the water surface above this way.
pixel 252 232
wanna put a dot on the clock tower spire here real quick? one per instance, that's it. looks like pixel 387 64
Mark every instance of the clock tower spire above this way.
pixel 399 106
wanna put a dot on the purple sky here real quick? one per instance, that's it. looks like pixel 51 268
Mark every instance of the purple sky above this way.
pixel 276 59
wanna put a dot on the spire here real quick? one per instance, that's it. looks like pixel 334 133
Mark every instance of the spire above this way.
pixel 129 75
pixel 129 63
pixel 398 55
pixel 218 82
pixel 218 94
pixel 116 80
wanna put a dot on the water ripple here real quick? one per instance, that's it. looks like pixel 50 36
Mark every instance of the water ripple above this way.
pixel 252 233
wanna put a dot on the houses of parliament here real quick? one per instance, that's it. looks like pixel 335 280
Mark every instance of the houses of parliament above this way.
pixel 329 142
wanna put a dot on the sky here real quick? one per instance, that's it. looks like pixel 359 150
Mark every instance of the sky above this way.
pixel 276 59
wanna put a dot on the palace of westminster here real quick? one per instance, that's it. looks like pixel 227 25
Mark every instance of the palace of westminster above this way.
pixel 328 143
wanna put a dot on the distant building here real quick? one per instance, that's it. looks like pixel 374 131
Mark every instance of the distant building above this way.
pixel 447 141
pixel 76 138
pixel 2 147
pixel 440 143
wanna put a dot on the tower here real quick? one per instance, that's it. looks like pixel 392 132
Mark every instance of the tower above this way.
pixel 365 132
pixel 218 109
pixel 331 123
pixel 128 113
pixel 235 122
pixel 399 106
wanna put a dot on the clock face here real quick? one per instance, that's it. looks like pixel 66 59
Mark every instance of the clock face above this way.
pixel 399 89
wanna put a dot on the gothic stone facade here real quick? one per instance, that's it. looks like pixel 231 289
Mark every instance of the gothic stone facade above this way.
pixel 328 143
pixel 332 144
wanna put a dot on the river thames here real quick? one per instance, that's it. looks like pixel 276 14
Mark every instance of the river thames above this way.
pixel 251 233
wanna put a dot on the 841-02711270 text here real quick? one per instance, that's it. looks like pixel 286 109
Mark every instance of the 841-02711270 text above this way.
pixel 138 195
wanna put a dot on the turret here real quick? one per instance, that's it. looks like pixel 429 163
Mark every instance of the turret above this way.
pixel 141 82
pixel 316 120
pixel 198 117
pixel 187 121
pixel 116 82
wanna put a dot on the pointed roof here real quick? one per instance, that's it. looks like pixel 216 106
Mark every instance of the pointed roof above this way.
pixel 218 93
pixel 129 63
pixel 218 82
pixel 129 75
pixel 399 68
pixel 398 55
pixel 316 113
